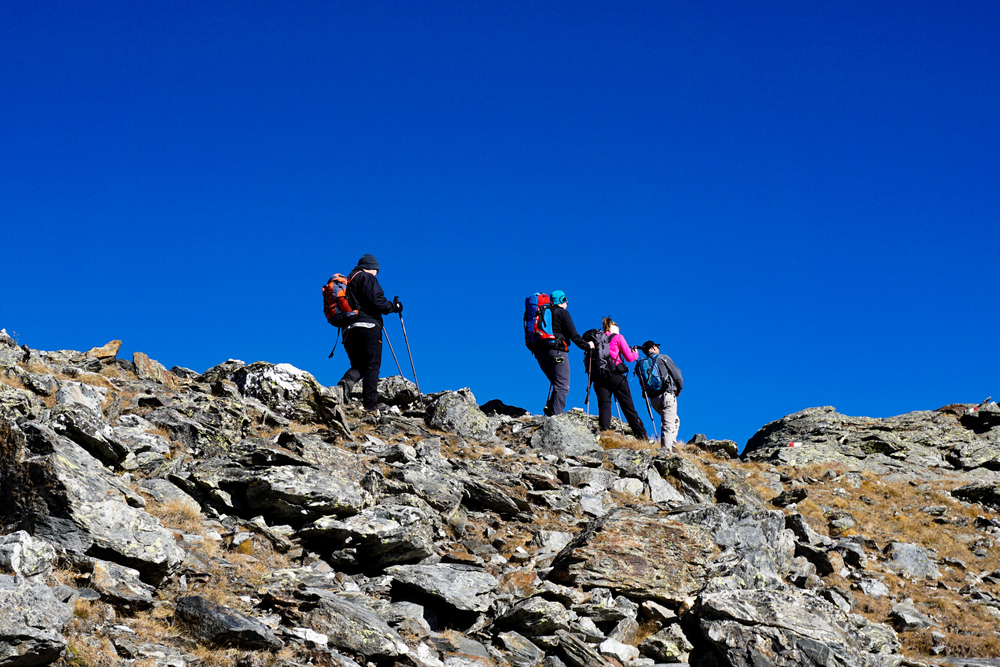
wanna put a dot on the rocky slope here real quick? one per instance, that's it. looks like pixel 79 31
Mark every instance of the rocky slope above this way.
pixel 248 516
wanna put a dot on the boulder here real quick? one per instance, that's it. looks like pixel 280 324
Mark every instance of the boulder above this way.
pixel 79 506
pixel 150 369
pixel 351 627
pixel 223 626
pixel 457 412
pixel 107 351
pixel 464 588
pixel 651 557
pixel 381 536
pixel 77 393
pixel 26 556
pixel 31 620
pixel 568 434
pixel 10 353
pixel 749 628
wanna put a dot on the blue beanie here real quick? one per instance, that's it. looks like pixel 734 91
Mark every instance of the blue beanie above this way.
pixel 558 297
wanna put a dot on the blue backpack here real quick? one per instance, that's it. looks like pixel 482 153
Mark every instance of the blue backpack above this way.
pixel 537 320
pixel 648 372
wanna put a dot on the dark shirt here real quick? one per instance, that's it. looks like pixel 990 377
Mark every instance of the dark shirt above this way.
pixel 563 329
pixel 368 297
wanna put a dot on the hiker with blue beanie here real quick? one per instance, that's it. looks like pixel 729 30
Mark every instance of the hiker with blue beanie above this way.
pixel 553 356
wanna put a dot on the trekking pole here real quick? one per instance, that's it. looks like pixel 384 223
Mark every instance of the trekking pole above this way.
pixel 586 400
pixel 407 341
pixel 334 345
pixel 621 420
pixel 650 411
pixel 385 333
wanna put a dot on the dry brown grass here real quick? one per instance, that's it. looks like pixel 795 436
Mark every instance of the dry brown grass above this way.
pixel 615 440
pixel 177 515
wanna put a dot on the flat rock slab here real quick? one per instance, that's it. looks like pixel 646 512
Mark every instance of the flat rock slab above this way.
pixel 223 626
pixel 465 587
pixel 31 619
pixel 651 557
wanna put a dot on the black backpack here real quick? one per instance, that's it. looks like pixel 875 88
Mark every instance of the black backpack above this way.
pixel 598 361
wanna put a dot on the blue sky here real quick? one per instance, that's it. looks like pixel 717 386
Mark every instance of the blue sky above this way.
pixel 798 200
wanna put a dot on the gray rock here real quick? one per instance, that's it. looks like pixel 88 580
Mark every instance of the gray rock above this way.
pixel 31 619
pixel 464 587
pixel 567 434
pixel 222 626
pixel 907 618
pixel 381 536
pixel 660 490
pixel 286 390
pixel 10 353
pixel 758 627
pixel 734 489
pixel 629 462
pixel 521 652
pixel 117 585
pixel 352 627
pixel 457 412
pixel 396 390
pixel 984 493
pixel 644 556
pixel 93 510
pixel 77 393
pixel 910 560
pixel 694 484
pixel 669 645
pixel 26 556
pixel 536 616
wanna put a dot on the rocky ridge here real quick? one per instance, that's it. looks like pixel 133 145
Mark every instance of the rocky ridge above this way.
pixel 248 515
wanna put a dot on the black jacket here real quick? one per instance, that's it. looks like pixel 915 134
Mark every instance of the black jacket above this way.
pixel 564 330
pixel 367 296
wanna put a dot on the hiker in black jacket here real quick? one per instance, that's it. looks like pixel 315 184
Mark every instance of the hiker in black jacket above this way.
pixel 553 357
pixel 363 338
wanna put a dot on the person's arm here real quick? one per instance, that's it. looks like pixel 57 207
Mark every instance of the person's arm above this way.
pixel 675 372
pixel 370 295
pixel 569 331
pixel 624 351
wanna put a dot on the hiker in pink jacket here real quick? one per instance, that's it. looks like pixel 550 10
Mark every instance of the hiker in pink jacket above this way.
pixel 615 383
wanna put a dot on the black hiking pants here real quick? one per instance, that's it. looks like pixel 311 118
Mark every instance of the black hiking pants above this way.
pixel 616 384
pixel 364 349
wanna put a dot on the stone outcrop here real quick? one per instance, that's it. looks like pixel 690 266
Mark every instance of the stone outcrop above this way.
pixel 260 512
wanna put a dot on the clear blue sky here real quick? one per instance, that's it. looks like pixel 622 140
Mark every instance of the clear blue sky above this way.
pixel 798 200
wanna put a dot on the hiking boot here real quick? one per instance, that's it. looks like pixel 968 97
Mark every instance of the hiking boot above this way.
pixel 345 389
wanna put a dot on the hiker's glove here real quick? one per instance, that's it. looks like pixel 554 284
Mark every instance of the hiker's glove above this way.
pixel 398 305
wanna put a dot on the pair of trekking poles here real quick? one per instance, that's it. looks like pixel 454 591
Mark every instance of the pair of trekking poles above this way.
pixel 386 334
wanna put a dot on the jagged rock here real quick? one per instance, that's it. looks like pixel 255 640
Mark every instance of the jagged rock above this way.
pixel 286 390
pixel 117 585
pixel 463 587
pixel 91 431
pixel 906 617
pixel 661 491
pixel 107 351
pixel 804 533
pixel 755 547
pixel 395 390
pixel 222 626
pixel 910 560
pixel 459 651
pixel 489 494
pixel 150 369
pixel 77 393
pixel 26 556
pixel 578 653
pixel 790 497
pixel 734 489
pixel 757 627
pixel 984 493
pixel 649 557
pixel 694 484
pixel 87 510
pixel 579 476
pixel 629 462
pixel 10 353
pixel 441 490
pixel 458 413
pixel 294 493
pixel 206 424
pixel 351 627
pixel 536 616
pixel 521 652
pixel 31 619
pixel 567 434
pixel 916 441
pixel 381 536
pixel 668 645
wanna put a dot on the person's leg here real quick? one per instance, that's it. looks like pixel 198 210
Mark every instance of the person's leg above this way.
pixel 560 385
pixel 624 396
pixel 656 402
pixel 544 360
pixel 671 422
pixel 603 404
pixel 356 353
pixel 373 353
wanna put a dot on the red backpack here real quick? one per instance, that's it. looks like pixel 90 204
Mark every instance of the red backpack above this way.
pixel 336 303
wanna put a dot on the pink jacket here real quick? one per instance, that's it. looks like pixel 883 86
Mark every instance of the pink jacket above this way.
pixel 619 349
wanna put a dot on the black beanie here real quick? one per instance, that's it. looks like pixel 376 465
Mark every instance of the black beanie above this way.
pixel 368 262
